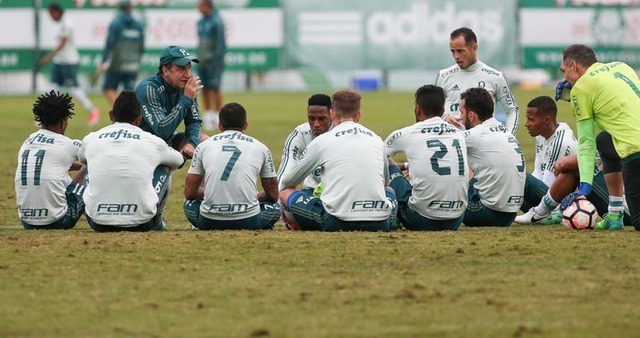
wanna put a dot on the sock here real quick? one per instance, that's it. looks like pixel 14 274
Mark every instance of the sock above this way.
pixel 546 205
pixel 81 96
pixel 616 204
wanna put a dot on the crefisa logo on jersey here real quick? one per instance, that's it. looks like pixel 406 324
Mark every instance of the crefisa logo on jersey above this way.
pixel 40 138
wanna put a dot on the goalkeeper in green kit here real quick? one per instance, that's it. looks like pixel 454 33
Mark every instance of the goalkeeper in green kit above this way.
pixel 605 96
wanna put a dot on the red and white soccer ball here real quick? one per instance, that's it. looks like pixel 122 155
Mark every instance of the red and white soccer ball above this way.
pixel 580 214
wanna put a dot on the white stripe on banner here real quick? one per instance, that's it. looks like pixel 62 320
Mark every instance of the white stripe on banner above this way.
pixel 330 28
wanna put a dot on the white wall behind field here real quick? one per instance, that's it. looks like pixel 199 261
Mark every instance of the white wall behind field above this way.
pixel 19 83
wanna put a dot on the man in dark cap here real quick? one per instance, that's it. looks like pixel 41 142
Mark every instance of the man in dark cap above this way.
pixel 169 97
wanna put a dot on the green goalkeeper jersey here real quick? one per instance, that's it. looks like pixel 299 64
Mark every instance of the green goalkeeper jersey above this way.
pixel 607 96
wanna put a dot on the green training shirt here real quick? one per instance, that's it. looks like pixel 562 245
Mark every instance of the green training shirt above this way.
pixel 606 96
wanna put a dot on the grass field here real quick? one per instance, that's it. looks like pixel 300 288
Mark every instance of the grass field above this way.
pixel 523 281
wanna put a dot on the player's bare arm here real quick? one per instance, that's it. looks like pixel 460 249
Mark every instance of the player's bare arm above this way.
pixel 192 187
pixel 270 193
pixel 565 164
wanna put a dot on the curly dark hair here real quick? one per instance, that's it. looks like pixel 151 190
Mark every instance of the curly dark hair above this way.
pixel 52 108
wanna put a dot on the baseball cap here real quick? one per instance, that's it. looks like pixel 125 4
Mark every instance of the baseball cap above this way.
pixel 176 55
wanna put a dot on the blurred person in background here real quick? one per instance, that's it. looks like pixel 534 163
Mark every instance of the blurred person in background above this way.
pixel 211 50
pixel 122 52
pixel 64 58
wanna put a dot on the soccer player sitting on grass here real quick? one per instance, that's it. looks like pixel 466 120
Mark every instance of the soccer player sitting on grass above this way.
pixel 127 172
pixel 553 141
pixel 354 176
pixel 318 123
pixel 436 199
pixel 606 95
pixel 496 191
pixel 566 183
pixel 230 163
pixel 47 196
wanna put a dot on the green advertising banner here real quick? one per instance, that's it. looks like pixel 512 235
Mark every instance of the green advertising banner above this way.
pixel 221 4
pixel 400 34
pixel 609 27
pixel 254 33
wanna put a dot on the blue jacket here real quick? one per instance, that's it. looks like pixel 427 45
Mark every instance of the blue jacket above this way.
pixel 165 107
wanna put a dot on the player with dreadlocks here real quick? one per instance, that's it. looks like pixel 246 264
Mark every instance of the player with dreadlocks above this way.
pixel 47 196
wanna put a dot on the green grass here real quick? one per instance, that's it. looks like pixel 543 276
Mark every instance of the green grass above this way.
pixel 522 281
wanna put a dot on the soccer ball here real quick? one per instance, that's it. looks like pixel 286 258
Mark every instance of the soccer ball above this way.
pixel 580 214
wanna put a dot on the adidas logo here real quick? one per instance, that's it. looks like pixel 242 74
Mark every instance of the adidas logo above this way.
pixel 455 87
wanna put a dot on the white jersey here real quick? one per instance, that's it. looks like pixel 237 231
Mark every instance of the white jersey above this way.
pixel 560 144
pixel 68 55
pixel 437 155
pixel 231 163
pixel 498 164
pixel 121 159
pixel 42 176
pixel 354 172
pixel 455 81
pixel 294 146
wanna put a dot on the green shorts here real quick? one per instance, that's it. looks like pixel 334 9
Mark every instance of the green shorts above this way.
pixel 211 74
pixel 534 191
pixel 113 80
pixel 309 214
pixel 265 220
pixel 64 75
pixel 411 219
pixel 478 215
pixel 75 209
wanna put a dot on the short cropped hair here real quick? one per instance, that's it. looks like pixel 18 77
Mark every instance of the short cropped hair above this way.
pixel 545 106
pixel 346 102
pixel 126 108
pixel 56 7
pixel 320 100
pixel 467 33
pixel 479 100
pixel 52 108
pixel 430 99
pixel 233 116
pixel 581 54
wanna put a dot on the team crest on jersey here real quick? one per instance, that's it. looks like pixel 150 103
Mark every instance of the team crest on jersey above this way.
pixel 482 84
